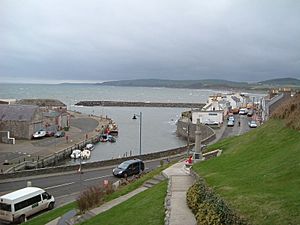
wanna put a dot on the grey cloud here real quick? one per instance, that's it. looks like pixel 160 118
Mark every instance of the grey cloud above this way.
pixel 107 40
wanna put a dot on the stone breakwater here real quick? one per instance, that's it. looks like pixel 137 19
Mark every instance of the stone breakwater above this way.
pixel 140 104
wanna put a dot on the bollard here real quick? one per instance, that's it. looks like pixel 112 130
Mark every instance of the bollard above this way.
pixel 29 184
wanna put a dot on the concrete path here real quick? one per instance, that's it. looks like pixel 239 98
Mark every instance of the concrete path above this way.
pixel 179 182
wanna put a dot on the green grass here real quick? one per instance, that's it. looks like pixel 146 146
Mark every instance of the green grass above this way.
pixel 145 208
pixel 53 214
pixel 132 186
pixel 259 174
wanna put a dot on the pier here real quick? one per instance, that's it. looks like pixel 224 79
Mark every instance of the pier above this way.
pixel 141 104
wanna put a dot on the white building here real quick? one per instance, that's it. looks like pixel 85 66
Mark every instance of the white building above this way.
pixel 208 117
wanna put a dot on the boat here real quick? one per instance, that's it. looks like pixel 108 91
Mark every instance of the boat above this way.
pixel 112 129
pixel 76 154
pixel 39 134
pixel 90 147
pixel 85 154
pixel 107 138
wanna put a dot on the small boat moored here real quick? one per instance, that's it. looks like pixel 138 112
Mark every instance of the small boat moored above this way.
pixel 86 154
pixel 90 147
pixel 76 154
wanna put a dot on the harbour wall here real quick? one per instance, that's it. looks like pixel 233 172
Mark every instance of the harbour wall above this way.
pixel 140 104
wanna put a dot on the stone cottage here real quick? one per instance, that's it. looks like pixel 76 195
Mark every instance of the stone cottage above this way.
pixel 20 120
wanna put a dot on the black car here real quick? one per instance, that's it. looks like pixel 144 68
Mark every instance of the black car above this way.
pixel 128 168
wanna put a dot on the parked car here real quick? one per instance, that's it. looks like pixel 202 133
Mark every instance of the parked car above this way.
pixel 235 111
pixel 252 124
pixel 39 134
pixel 128 168
pixel 243 111
pixel 59 134
pixel 230 123
pixel 231 118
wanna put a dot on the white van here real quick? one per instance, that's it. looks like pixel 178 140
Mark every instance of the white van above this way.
pixel 18 205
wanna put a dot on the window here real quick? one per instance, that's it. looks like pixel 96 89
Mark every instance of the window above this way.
pixel 5 207
pixel 27 202
pixel 45 195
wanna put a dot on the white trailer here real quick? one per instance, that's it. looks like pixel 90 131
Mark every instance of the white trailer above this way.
pixel 18 205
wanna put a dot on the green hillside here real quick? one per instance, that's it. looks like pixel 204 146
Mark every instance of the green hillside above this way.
pixel 282 81
pixel 204 83
pixel 258 174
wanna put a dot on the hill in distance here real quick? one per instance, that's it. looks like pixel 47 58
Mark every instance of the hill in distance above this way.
pixel 281 81
pixel 201 84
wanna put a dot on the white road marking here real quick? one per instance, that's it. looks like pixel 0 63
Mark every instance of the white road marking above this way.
pixel 60 185
pixel 95 178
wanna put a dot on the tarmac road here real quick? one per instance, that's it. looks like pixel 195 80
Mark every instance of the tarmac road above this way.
pixel 236 129
pixel 65 187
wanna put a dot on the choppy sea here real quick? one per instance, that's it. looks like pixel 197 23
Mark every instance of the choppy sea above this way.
pixel 158 124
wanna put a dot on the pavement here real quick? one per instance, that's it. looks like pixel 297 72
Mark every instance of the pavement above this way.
pixel 178 212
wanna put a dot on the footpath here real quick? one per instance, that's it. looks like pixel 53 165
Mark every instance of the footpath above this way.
pixel 178 212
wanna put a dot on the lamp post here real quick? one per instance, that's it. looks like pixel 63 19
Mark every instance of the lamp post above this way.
pixel 134 118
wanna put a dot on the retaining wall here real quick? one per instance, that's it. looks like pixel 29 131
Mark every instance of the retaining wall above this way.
pixel 207 133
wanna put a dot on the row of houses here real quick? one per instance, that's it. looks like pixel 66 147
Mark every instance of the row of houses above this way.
pixel 220 105
pixel 24 117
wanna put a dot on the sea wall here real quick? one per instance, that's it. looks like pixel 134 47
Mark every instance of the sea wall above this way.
pixel 140 104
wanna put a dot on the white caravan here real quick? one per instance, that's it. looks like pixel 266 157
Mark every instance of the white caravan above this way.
pixel 18 205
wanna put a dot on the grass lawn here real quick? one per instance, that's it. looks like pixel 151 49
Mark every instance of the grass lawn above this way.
pixel 259 174
pixel 145 208
pixel 51 215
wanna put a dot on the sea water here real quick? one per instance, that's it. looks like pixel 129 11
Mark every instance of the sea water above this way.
pixel 158 124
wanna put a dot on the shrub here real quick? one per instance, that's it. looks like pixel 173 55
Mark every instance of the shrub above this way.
pixel 208 207
pixel 206 215
pixel 90 198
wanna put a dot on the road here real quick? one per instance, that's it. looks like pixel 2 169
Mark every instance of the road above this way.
pixel 236 129
pixel 66 187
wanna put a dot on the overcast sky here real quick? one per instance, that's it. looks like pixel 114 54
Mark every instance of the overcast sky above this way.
pixel 93 40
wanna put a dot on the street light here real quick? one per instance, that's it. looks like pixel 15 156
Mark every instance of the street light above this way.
pixel 134 118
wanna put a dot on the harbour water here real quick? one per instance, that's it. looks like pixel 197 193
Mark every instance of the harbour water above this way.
pixel 158 124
